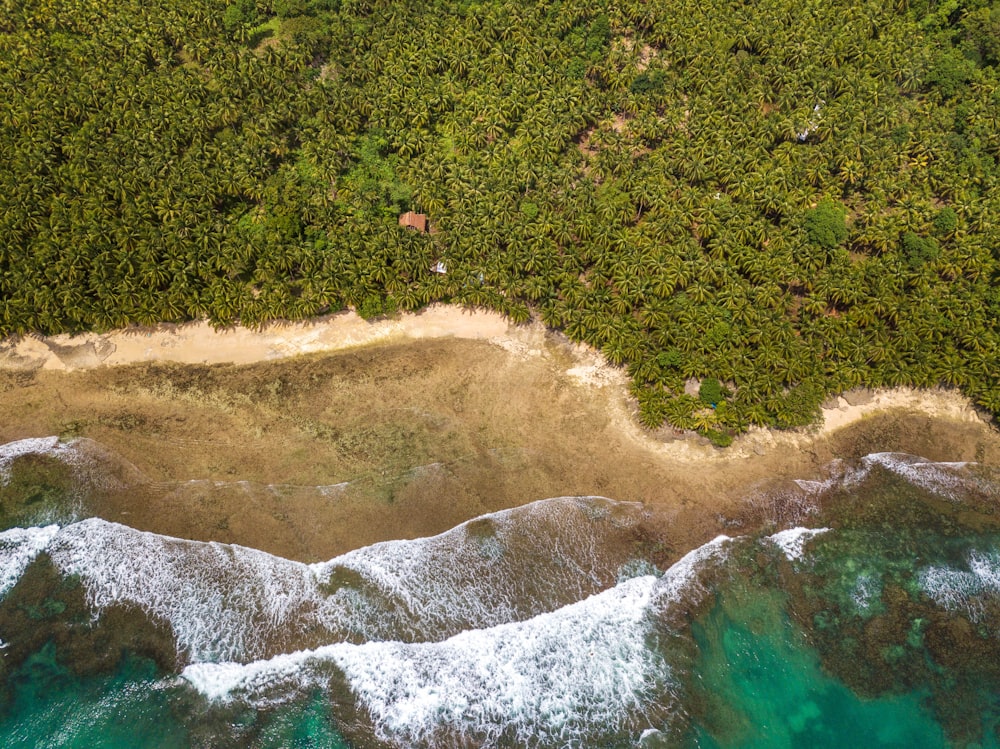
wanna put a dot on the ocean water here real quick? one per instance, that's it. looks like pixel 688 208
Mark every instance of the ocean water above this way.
pixel 873 621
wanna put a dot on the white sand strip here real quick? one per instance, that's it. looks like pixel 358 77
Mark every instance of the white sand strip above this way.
pixel 200 343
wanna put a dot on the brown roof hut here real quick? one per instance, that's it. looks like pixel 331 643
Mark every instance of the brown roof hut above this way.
pixel 411 220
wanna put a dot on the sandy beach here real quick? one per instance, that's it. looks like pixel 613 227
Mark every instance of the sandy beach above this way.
pixel 200 343
pixel 311 439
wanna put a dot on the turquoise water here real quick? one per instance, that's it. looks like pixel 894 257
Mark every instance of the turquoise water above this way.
pixel 49 706
pixel 138 708
pixel 883 630
pixel 764 686
pixel 884 635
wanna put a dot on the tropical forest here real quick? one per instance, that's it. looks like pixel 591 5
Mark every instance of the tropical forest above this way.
pixel 780 199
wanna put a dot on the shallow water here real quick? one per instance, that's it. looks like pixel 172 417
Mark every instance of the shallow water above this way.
pixel 764 686
pixel 545 626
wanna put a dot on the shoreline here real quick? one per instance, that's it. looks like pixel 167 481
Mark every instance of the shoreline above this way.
pixel 201 343
pixel 404 428
pixel 198 343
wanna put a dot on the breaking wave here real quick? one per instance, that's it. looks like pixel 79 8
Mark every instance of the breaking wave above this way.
pixel 231 603
pixel 965 591
pixel 91 464
pixel 18 549
pixel 556 676
pixel 792 541
pixel 537 626
pixel 587 670
pixel 51 446
pixel 948 479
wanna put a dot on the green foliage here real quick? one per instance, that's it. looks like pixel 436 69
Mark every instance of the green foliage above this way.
pixel 800 405
pixel 919 250
pixel 307 31
pixel 638 175
pixel 717 438
pixel 649 81
pixel 290 8
pixel 971 27
pixel 825 224
pixel 672 358
pixel 936 15
pixel 950 72
pixel 711 391
pixel 946 221
pixel 981 34
pixel 576 68
pixel 372 181
pixel 599 34
pixel 240 13
pixel 900 135
pixel 373 306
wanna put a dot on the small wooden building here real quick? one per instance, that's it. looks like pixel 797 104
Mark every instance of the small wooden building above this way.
pixel 411 220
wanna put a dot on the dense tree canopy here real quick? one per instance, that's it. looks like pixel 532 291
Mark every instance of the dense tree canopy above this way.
pixel 791 198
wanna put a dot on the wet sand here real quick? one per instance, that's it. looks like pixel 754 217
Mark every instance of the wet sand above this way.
pixel 411 426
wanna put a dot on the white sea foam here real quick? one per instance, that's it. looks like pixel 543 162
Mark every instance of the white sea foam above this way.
pixel 220 601
pixel 18 548
pixel 867 591
pixel 10 451
pixel 653 738
pixel 949 479
pixel 682 579
pixel 812 486
pixel 323 490
pixel 283 673
pixel 561 678
pixel 558 676
pixel 961 590
pixel 231 603
pixel 90 464
pixel 496 568
pixel 555 678
pixel 792 541
pixel 836 470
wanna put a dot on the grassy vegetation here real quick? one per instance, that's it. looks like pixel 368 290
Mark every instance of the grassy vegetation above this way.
pixel 789 198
